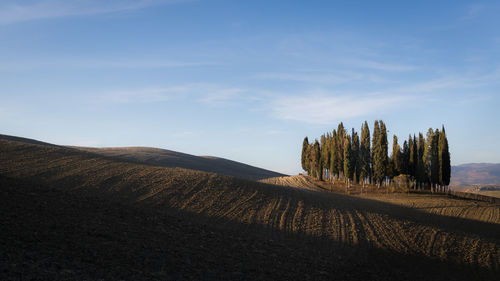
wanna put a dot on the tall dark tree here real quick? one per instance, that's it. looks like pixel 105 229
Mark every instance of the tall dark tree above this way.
pixel 333 155
pixel 317 160
pixel 365 152
pixel 385 148
pixel 348 171
pixel 340 148
pixel 435 158
pixel 396 157
pixel 356 163
pixel 379 151
pixel 421 164
pixel 304 157
pixel 412 156
pixel 376 161
pixel 404 159
pixel 444 159
pixel 428 155
pixel 324 153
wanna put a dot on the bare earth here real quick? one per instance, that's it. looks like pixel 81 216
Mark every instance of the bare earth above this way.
pixel 68 214
pixel 168 158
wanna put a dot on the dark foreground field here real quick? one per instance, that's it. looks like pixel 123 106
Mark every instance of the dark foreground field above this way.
pixel 68 215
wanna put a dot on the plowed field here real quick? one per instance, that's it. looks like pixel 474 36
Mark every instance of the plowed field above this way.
pixel 369 234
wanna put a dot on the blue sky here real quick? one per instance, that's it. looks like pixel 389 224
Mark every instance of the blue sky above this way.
pixel 247 80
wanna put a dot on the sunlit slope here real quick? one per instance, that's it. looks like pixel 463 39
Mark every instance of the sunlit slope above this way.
pixel 168 158
pixel 435 204
pixel 348 220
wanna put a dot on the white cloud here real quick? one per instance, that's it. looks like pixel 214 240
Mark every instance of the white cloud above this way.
pixel 323 109
pixel 19 11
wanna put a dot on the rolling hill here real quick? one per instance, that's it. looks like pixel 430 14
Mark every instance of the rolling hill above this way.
pixel 168 158
pixel 73 214
pixel 475 174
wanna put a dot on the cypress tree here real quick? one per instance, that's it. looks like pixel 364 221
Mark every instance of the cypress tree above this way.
pixel 396 157
pixel 376 160
pixel 347 158
pixel 356 163
pixel 317 160
pixel 384 144
pixel 333 155
pixel 445 163
pixel 435 158
pixel 411 156
pixel 340 148
pixel 404 159
pixel 311 171
pixel 379 161
pixel 427 159
pixel 304 158
pixel 365 151
pixel 421 168
pixel 324 154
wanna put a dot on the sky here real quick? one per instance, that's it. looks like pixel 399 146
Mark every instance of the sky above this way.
pixel 248 80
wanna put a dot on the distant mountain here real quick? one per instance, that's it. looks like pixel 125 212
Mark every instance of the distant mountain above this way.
pixel 475 174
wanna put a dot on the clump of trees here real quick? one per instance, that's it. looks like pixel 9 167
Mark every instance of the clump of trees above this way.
pixel 360 158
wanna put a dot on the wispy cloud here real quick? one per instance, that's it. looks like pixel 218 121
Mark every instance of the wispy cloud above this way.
pixel 208 94
pixel 145 95
pixel 377 65
pixel 216 96
pixel 473 12
pixel 324 78
pixel 323 109
pixel 94 63
pixel 19 11
pixel 183 134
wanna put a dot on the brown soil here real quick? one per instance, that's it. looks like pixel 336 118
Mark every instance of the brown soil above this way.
pixel 168 158
pixel 73 215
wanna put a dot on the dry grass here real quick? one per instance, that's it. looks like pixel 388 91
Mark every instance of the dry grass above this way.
pixel 439 228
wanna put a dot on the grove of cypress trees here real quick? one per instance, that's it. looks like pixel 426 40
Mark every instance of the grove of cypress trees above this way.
pixel 339 155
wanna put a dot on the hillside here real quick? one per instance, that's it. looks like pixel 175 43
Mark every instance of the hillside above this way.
pixel 168 158
pixel 475 174
pixel 69 214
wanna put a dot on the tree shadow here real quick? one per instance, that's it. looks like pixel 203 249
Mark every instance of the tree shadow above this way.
pixel 56 235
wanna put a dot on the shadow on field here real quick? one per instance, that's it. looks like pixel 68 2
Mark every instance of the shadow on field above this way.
pixel 52 234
